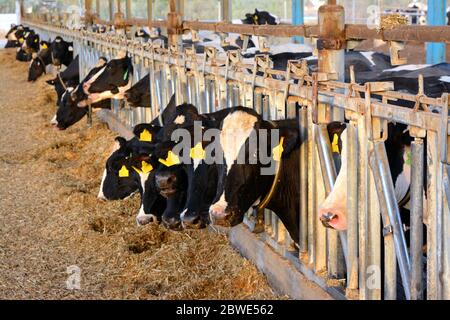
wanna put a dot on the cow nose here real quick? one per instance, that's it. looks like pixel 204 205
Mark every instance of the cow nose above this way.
pixel 173 223
pixel 191 220
pixel 326 219
pixel 165 180
pixel 145 219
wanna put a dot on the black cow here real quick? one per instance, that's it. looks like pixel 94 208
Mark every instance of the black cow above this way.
pixel 139 94
pixel 61 51
pixel 32 43
pixel 38 66
pixel 259 18
pixel 190 186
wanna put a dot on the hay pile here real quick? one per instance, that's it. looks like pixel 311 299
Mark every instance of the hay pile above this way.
pixel 50 218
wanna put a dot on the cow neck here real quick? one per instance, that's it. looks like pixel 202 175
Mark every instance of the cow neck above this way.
pixel 263 204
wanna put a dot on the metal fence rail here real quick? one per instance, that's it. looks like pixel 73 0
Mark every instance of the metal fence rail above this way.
pixel 346 263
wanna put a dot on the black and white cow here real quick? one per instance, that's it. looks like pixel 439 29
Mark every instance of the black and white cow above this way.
pixel 15 36
pixel 61 51
pixel 260 18
pixel 241 184
pixel 69 112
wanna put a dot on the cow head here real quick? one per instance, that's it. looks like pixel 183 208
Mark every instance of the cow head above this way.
pixel 80 95
pixel 38 65
pixel 259 18
pixel 112 81
pixel 115 185
pixel 62 51
pixel 32 43
pixel 246 175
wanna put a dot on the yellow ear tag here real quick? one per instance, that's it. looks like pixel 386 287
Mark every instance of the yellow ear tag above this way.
pixel 123 172
pixel 334 143
pixel 145 136
pixel 44 46
pixel 35 40
pixel 146 167
pixel 278 150
pixel 197 152
pixel 172 159
pixel 21 40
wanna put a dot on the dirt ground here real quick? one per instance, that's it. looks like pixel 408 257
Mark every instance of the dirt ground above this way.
pixel 51 222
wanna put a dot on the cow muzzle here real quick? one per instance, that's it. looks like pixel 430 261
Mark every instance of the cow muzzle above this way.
pixel 194 220
pixel 333 219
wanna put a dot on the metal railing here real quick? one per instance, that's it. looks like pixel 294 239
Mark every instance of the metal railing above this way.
pixel 346 264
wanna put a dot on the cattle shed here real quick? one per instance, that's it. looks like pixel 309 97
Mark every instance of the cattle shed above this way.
pixel 378 256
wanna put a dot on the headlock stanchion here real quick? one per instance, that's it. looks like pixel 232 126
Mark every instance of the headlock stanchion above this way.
pixel 371 259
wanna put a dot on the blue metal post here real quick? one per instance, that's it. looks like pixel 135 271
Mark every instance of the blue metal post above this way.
pixel 436 17
pixel 298 16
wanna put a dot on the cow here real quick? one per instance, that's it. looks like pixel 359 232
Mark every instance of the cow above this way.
pixel 260 18
pixel 61 51
pixel 333 210
pixel 109 187
pixel 39 64
pixel 69 112
pixel 14 35
pixel 242 185
pixel 110 82
pixel 139 94
pixel 32 43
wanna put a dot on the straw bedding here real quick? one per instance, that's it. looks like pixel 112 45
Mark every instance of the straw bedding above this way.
pixel 50 218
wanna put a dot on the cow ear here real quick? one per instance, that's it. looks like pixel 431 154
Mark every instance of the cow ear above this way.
pixel 291 139
pixel 122 141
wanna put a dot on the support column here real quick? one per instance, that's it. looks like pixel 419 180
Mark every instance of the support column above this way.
pixel 298 16
pixel 436 17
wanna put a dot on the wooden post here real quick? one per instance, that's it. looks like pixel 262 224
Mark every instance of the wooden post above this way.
pixel 174 28
pixel 88 15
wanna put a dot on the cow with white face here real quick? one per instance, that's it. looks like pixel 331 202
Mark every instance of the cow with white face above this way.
pixel 243 184
pixel 333 211
pixel 111 82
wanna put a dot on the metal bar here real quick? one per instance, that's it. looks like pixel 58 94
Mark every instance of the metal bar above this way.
pixel 352 204
pixel 433 217
pixel 303 179
pixel 390 211
pixel 111 11
pixel 150 10
pixel 416 242
pixel 436 16
pixel 128 9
